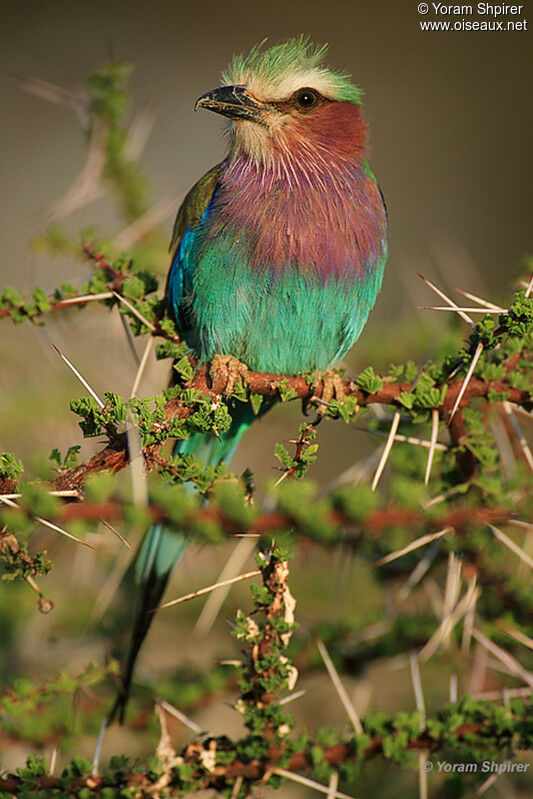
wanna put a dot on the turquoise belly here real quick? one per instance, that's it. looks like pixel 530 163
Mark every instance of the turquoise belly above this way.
pixel 275 322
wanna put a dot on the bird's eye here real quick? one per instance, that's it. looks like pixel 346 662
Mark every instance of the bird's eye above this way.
pixel 306 98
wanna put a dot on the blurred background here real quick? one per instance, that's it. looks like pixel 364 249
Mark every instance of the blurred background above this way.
pixel 450 119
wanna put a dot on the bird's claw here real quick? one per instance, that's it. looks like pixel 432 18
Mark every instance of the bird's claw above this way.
pixel 332 388
pixel 225 371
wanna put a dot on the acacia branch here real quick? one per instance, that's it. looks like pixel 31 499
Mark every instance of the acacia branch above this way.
pixel 115 456
pixel 483 733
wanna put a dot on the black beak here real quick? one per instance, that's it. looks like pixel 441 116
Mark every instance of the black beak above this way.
pixel 232 102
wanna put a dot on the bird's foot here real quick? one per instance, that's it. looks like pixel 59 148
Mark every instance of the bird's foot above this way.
pixel 225 371
pixel 332 388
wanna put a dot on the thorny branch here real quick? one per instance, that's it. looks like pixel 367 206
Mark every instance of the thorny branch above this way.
pixel 115 456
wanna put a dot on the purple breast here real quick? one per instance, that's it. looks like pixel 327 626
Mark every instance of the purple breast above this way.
pixel 328 223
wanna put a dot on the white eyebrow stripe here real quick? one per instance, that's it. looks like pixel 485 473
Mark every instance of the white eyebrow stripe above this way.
pixel 282 89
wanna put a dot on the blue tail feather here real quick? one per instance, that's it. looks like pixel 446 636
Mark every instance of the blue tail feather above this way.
pixel 162 548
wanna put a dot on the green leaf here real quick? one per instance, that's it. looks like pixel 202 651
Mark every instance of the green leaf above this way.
pixel 369 381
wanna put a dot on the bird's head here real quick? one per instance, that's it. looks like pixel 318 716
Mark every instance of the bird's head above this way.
pixel 285 102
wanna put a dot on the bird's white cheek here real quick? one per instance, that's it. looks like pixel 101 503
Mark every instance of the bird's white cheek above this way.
pixel 253 140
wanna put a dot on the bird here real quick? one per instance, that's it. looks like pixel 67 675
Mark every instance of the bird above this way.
pixel 277 253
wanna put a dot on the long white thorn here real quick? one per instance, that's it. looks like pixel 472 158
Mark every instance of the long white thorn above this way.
pixel 421 707
pixel 98 748
pixel 433 443
pixel 469 617
pixel 477 299
pixel 105 295
pixel 419 542
pixel 446 299
pixel 209 588
pixel 449 621
pixel 418 572
pixel 137 467
pixel 475 359
pixel 80 377
pixel 233 566
pixel 134 311
pixel 116 533
pixel 503 656
pixel 142 367
pixel 442 497
pixel 53 760
pixel 316 786
pixel 521 438
pixel 460 310
pixel 339 687
pixel 179 715
pixel 489 782
pixel 453 584
pixel 74 493
pixel 417 688
pixel 129 336
pixel 529 288
pixel 491 696
pixel 386 451
pixel 512 546
pixel 292 697
pixel 333 785
pixel 237 787
pixel 48 524
pixel 453 687
pixel 422 776
pixel 519 636
pixel 420 442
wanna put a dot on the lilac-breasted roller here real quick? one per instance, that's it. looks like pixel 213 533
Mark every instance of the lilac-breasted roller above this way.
pixel 277 252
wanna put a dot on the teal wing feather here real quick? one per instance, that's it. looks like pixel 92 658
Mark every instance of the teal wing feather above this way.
pixel 192 209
